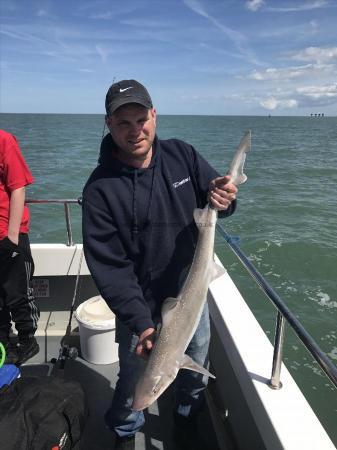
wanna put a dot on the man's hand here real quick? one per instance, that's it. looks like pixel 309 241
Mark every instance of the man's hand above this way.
pixel 146 341
pixel 222 192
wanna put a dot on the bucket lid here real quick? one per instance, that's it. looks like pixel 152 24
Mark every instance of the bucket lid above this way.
pixel 95 313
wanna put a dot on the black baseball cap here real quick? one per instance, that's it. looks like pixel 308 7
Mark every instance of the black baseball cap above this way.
pixel 126 91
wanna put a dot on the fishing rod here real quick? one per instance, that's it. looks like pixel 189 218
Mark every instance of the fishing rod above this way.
pixel 66 350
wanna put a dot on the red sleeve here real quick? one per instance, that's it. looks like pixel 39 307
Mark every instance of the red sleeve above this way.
pixel 16 171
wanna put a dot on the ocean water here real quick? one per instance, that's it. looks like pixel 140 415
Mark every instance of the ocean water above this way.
pixel 286 218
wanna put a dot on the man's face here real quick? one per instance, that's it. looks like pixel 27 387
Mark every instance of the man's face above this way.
pixel 133 129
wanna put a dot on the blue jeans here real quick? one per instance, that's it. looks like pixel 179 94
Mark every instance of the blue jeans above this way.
pixel 188 386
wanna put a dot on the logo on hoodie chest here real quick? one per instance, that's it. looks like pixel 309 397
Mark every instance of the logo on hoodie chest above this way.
pixel 181 182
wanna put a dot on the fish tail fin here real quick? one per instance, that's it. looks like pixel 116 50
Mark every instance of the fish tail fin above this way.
pixel 217 271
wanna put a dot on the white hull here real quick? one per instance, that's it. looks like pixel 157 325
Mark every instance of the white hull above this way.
pixel 243 406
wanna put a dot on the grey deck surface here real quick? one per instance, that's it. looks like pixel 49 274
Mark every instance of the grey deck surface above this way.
pixel 98 382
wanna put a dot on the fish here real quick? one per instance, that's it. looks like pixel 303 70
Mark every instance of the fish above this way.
pixel 181 315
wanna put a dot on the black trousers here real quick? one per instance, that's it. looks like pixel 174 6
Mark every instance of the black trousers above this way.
pixel 16 291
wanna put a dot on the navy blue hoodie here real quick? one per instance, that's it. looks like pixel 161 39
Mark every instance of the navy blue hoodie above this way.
pixel 139 234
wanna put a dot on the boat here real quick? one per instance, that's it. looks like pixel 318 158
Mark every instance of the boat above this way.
pixel 254 403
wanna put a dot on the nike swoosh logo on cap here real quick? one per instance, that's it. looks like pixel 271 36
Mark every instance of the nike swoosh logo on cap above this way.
pixel 125 89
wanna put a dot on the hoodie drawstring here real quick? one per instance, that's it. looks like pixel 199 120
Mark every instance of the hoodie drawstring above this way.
pixel 135 218
pixel 135 228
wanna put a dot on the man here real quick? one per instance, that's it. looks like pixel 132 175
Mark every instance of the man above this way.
pixel 139 238
pixel 16 263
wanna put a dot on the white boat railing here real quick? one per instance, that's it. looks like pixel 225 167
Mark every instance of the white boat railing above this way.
pixel 66 203
pixel 283 312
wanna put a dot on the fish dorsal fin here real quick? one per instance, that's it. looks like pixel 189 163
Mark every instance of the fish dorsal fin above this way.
pixel 188 363
pixel 217 271
pixel 168 308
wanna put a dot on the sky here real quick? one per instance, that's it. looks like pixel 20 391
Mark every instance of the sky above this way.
pixel 213 57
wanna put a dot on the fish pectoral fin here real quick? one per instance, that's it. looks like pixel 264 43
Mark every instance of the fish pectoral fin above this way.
pixel 188 363
pixel 167 308
pixel 217 271
pixel 169 303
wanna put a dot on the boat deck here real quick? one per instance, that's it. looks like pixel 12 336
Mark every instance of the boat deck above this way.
pixel 98 382
pixel 241 407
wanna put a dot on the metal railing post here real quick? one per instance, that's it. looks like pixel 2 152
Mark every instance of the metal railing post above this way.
pixel 68 223
pixel 274 381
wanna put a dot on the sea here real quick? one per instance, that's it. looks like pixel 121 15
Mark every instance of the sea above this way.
pixel 286 220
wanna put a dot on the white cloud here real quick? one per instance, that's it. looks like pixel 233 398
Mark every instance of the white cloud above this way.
pixel 279 74
pixel 272 103
pixel 317 54
pixel 305 6
pixel 22 36
pixel 305 96
pixel 294 72
pixel 42 13
pixel 284 30
pixel 45 14
pixel 254 5
pixel 106 15
pixel 239 39
pixel 319 92
pixel 196 6
pixel 314 24
pixel 103 53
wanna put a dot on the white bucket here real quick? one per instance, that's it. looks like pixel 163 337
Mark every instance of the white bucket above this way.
pixel 97 331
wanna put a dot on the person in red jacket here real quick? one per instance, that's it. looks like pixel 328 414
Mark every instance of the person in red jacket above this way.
pixel 16 262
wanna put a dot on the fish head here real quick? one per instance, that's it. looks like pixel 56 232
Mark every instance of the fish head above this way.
pixel 150 387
